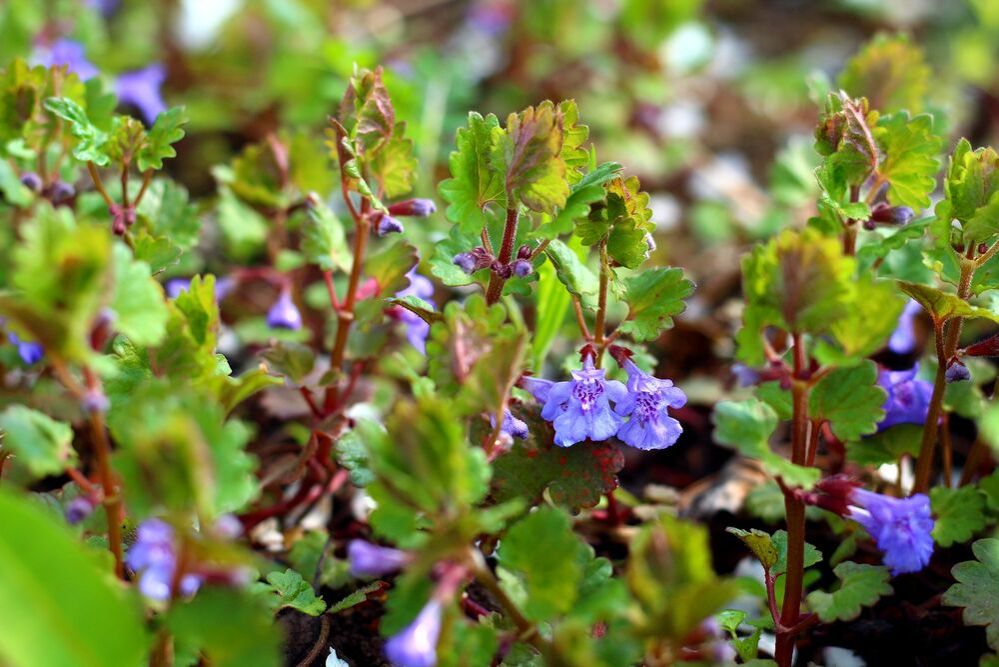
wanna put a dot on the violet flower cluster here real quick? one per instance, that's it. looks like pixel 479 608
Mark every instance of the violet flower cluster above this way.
pixel 908 399
pixel 580 409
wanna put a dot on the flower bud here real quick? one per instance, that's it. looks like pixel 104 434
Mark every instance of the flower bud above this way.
pixel 891 215
pixel 983 248
pixel 417 208
pixel 371 560
pixel 61 192
pixel 32 181
pixel 95 402
pixel 284 314
pixel 465 261
pixel 522 268
pixel 957 372
pixel 474 260
pixel 388 225
pixel 79 508
pixel 416 644
pixel 524 252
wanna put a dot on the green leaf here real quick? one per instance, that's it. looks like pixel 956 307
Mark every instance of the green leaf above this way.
pixel 747 426
pixel 544 553
pixel 390 265
pixel 850 400
pixel 910 164
pixel 552 304
pixel 292 360
pixel 289 589
pixel 43 445
pixel 800 281
pixel 90 141
pixel 942 305
pixel 861 586
pixel 164 132
pixel 576 477
pixel 57 606
pixel 888 446
pixel 654 296
pixel 531 146
pixel 323 240
pixel 356 598
pixel 167 225
pixel 867 323
pixel 960 513
pixel 760 544
pixel 844 137
pixel 571 272
pixel 977 589
pixel 812 556
pixel 582 195
pixel 138 302
pixel 891 72
pixel 230 628
pixel 971 188
pixel 442 263
pixel 476 192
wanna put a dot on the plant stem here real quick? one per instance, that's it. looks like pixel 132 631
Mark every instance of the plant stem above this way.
pixel 974 461
pixel 96 178
pixel 600 323
pixel 495 288
pixel 580 319
pixel 345 314
pixel 947 335
pixel 795 510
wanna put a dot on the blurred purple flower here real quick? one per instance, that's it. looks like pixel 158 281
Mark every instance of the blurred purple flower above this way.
pixel 903 340
pixel 417 208
pixel 744 375
pixel 646 401
pixel 901 527
pixel 416 644
pixel 31 353
pixel 78 509
pixel 522 268
pixel 388 225
pixel 284 314
pixel 141 88
pixel 579 409
pixel 490 18
pixel 908 397
pixel 371 560
pixel 65 52
pixel 175 286
pixel 417 329
pixel 153 557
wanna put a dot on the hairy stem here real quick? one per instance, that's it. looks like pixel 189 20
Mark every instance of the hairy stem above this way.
pixel 496 282
pixel 600 323
pixel 795 509
pixel 947 335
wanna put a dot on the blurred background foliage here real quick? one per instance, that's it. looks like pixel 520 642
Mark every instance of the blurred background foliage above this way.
pixel 711 103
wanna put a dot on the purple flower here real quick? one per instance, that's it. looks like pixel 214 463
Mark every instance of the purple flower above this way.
pixel 30 353
pixel 903 340
pixel 417 208
pixel 579 409
pixel 284 314
pixel 371 560
pixel 388 225
pixel 647 400
pixel 466 262
pixel 957 372
pixel 141 89
pixel 79 508
pixel 908 397
pixel 228 526
pixel 32 181
pixel 417 329
pixel 513 427
pixel 68 53
pixel 153 557
pixel 900 526
pixel 539 388
pixel 416 644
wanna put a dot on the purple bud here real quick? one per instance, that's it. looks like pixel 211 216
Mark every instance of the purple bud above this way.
pixel 79 508
pixel 524 252
pixel 522 268
pixel 30 353
pixel 983 248
pixel 94 401
pixel 228 527
pixel 283 314
pixel 371 560
pixel 417 208
pixel 416 644
pixel 890 215
pixel 388 225
pixel 466 262
pixel 745 375
pixel 957 372
pixel 870 225
pixel 61 192
pixel 32 181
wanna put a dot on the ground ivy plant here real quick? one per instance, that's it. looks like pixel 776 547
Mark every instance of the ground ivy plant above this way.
pixel 462 408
